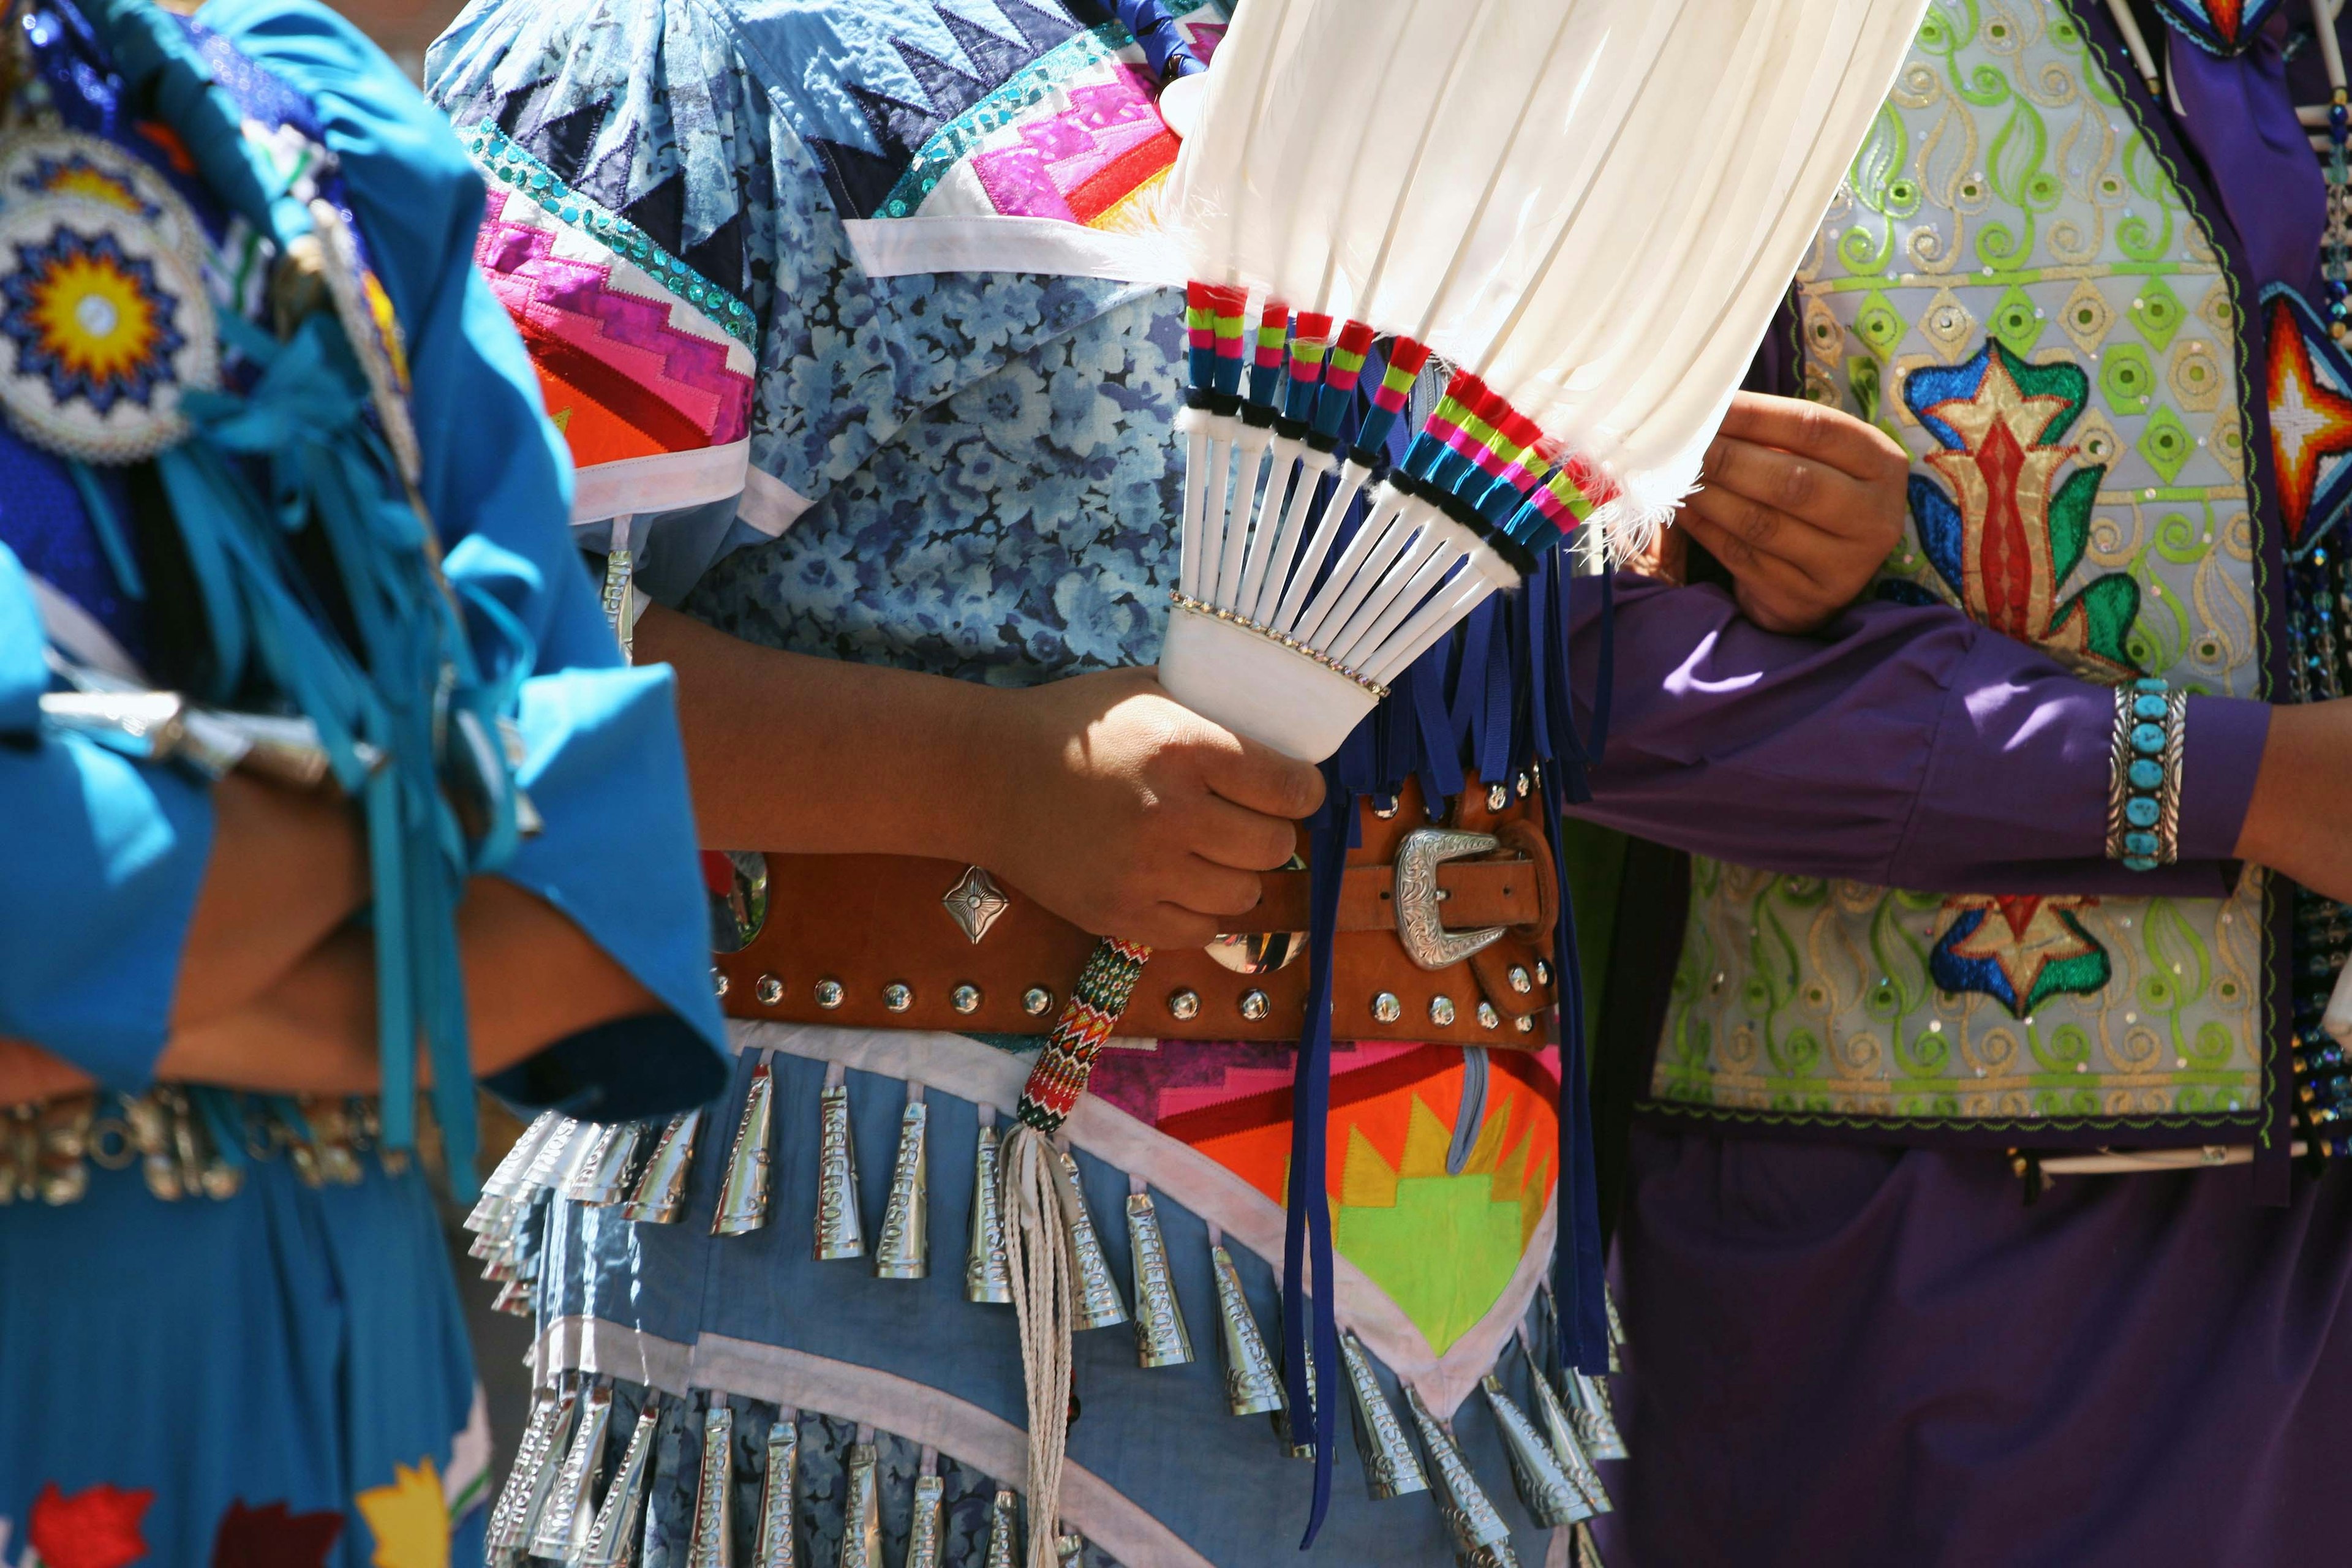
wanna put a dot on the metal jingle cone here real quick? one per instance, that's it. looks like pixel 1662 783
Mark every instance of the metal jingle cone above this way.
pixel 987 1274
pixel 840 1231
pixel 1596 1423
pixel 1098 1304
pixel 496 1216
pixel 1069 1549
pixel 540 1174
pixel 1550 1493
pixel 564 1524
pixel 1160 1339
pixel 506 1179
pixel 743 1190
pixel 503 1542
pixel 604 1180
pixel 861 1507
pixel 1297 1444
pixel 1391 1469
pixel 712 1543
pixel 537 1472
pixel 612 1535
pixel 660 1197
pixel 588 1155
pixel 1481 1539
pixel 903 1250
pixel 779 1547
pixel 1252 1380
pixel 513 1299
pixel 926 1529
pixel 1583 1551
pixel 1566 1446
pixel 1004 1530
pixel 1616 1331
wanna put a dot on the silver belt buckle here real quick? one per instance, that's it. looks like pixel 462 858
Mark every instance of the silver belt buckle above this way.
pixel 1421 922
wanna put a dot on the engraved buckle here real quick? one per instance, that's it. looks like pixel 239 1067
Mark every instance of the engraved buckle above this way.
pixel 1421 924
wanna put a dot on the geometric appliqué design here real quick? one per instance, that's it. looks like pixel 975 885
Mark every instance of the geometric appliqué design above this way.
pixel 2087 317
pixel 2166 442
pixel 2194 375
pixel 2017 323
pixel 1948 324
pixel 2308 384
pixel 2157 311
pixel 102 324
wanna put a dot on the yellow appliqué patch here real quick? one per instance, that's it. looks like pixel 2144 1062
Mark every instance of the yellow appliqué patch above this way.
pixel 409 1518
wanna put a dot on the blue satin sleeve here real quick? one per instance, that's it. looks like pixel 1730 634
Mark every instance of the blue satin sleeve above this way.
pixel 103 861
pixel 603 763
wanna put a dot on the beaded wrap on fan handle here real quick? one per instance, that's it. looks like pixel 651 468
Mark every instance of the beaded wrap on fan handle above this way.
pixel 1095 1006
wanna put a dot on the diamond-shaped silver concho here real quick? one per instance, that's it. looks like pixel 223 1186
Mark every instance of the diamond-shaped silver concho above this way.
pixel 976 901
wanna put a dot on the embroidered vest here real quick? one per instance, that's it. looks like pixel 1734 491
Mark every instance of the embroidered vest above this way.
pixel 2013 285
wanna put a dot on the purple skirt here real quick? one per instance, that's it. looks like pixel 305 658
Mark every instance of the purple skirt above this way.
pixel 1841 1354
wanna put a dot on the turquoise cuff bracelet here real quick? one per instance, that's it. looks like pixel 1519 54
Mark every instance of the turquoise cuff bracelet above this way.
pixel 2144 783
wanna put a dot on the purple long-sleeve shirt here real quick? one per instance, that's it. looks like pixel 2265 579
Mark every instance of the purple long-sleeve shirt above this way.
pixel 1903 746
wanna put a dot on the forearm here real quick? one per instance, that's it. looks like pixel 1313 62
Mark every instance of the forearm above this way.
pixel 531 978
pixel 1904 746
pixel 786 751
pixel 288 867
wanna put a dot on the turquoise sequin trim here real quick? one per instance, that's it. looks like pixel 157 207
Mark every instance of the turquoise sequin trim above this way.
pixel 508 162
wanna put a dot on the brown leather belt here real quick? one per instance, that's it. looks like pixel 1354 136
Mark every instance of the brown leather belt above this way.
pixel 1444 934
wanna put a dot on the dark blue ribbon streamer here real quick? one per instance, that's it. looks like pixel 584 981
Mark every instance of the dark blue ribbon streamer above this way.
pixel 1307 1236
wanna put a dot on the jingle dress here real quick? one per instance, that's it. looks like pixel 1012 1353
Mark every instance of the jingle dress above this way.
pixel 229 1332
pixel 844 308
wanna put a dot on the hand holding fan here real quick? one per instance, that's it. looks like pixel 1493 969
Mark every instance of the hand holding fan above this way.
pixel 1589 210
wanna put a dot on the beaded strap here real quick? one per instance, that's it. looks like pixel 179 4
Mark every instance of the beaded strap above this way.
pixel 2144 782
pixel 1095 1006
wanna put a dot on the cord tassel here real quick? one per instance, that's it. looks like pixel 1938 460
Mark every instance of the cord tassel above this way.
pixel 1038 1195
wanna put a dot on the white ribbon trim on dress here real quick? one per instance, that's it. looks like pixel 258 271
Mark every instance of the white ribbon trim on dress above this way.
pixel 904 1408
pixel 666 481
pixel 894 248
pixel 951 1064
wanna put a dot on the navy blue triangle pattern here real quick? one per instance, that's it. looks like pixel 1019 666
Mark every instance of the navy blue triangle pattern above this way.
pixel 862 178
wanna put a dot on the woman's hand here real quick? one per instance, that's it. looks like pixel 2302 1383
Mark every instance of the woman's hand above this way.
pixel 1099 796
pixel 1127 813
pixel 1802 503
